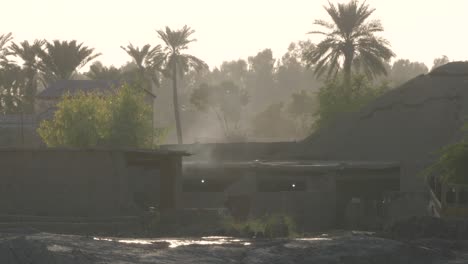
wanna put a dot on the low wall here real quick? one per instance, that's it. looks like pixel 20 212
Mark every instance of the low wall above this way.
pixel 76 182
pixel 69 183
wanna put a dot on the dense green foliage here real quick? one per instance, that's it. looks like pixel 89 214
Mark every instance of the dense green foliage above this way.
pixel 336 98
pixel 452 164
pixel 120 119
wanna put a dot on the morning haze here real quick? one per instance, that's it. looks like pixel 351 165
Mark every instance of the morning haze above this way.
pixel 234 131
pixel 418 30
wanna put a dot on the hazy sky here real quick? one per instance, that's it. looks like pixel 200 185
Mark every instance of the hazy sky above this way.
pixel 419 30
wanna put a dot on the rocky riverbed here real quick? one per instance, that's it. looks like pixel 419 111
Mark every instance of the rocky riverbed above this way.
pixel 336 247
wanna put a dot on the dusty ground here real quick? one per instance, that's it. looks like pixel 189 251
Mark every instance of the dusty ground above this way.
pixel 340 247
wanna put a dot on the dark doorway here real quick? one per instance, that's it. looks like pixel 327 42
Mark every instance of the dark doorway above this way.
pixel 362 194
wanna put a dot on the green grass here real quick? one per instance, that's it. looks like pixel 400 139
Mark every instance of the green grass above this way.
pixel 275 225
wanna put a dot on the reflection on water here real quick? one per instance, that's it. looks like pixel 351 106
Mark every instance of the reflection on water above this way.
pixel 176 242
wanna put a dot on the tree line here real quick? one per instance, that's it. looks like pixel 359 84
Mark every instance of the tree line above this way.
pixel 261 97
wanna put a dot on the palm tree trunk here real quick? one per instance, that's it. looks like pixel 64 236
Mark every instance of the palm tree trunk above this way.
pixel 347 70
pixel 176 104
pixel 348 61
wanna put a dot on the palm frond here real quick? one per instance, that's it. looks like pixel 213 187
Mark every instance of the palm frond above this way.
pixel 349 37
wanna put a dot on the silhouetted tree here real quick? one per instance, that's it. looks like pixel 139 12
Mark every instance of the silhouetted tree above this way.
pixel 149 62
pixel 404 70
pixel 350 40
pixel 4 51
pixel 97 71
pixel 225 100
pixel 29 54
pixel 178 63
pixel 61 59
pixel 440 61
pixel 261 79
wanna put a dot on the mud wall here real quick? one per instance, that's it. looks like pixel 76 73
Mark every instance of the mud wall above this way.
pixel 76 182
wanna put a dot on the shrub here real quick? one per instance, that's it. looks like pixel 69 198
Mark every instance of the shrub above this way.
pixel 276 225
pixel 119 119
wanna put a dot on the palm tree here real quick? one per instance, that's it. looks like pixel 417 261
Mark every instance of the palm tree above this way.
pixel 147 60
pixel 350 40
pixel 177 63
pixel 29 54
pixel 61 59
pixel 4 52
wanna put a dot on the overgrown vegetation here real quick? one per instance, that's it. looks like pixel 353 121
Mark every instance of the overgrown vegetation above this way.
pixel 284 91
pixel 452 164
pixel 275 225
pixel 336 97
pixel 118 119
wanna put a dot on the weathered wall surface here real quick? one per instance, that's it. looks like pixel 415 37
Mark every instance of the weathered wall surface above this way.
pixel 78 183
pixel 312 208
pixel 53 182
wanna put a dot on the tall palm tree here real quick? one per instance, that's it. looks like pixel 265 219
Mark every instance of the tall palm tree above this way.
pixel 61 59
pixel 29 54
pixel 350 40
pixel 178 63
pixel 147 62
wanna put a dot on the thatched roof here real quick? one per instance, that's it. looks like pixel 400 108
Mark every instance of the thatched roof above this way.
pixel 407 123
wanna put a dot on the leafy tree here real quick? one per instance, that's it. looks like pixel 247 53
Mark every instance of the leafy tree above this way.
pixel 119 119
pixel 336 98
pixel 404 70
pixel 261 78
pixel 130 122
pixel 28 53
pixel 302 108
pixel 452 164
pixel 292 74
pixel 225 100
pixel 97 71
pixel 350 39
pixel 178 63
pixel 235 71
pixel 80 121
pixel 61 59
pixel 272 123
pixel 440 61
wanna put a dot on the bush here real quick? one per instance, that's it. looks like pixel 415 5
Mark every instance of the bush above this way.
pixel 120 119
pixel 276 225
pixel 452 164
